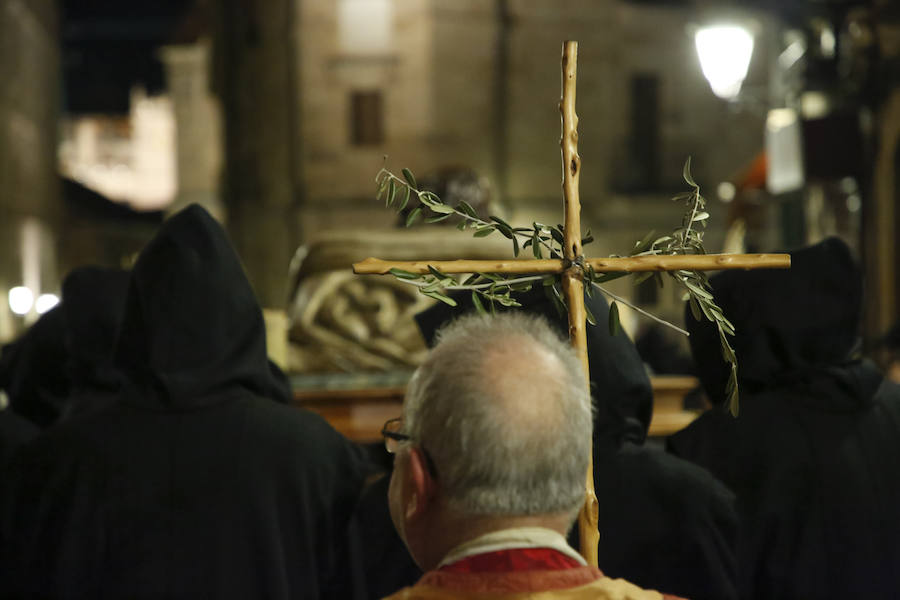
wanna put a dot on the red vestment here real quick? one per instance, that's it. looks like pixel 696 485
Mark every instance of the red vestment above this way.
pixel 522 573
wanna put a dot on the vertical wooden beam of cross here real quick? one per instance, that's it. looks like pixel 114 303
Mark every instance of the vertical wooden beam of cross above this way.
pixel 572 284
pixel 570 269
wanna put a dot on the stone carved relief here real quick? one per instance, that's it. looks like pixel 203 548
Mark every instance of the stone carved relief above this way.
pixel 341 322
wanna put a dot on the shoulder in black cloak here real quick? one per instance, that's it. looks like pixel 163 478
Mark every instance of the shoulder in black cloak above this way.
pixel 811 455
pixel 195 483
pixel 14 431
pixel 664 523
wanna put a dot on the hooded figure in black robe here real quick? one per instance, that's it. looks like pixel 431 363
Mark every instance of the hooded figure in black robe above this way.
pixel 32 371
pixel 68 352
pixel 664 523
pixel 65 355
pixel 93 304
pixel 194 483
pixel 813 454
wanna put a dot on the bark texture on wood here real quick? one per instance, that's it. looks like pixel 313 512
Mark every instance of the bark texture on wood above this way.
pixel 572 285
pixel 633 264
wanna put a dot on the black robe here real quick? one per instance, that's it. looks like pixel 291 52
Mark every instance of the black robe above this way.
pixel 664 523
pixel 813 454
pixel 14 431
pixel 382 563
pixel 194 483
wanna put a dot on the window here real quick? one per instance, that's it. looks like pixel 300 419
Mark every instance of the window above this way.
pixel 364 26
pixel 366 118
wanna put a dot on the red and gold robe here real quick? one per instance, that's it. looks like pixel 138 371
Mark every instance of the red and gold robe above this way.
pixel 522 572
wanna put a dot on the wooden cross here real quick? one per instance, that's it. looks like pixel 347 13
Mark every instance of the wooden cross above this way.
pixel 572 283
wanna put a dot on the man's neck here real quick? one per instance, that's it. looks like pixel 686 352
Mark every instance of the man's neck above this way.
pixel 448 529
pixel 525 539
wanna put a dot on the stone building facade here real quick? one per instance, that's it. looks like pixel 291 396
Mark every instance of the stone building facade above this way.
pixel 467 82
pixel 434 83
pixel 29 108
pixel 314 94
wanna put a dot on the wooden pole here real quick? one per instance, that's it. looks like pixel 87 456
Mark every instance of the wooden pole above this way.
pixel 572 285
pixel 632 264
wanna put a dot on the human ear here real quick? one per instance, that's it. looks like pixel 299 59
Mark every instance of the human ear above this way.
pixel 422 486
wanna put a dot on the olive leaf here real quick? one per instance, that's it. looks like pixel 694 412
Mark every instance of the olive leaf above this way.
pixel 589 315
pixel 389 198
pixel 467 208
pixel 408 176
pixel 413 215
pixel 477 302
pixel 403 274
pixel 686 173
pixel 614 325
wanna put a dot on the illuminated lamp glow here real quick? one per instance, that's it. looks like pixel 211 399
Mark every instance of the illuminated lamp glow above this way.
pixel 726 191
pixel 21 299
pixel 724 52
pixel 45 302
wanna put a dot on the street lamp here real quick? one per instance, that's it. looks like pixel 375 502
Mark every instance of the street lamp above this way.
pixel 21 300
pixel 724 51
pixel 45 302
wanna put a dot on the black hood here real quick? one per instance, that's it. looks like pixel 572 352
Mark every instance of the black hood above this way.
pixel 623 396
pixel 192 325
pixel 68 351
pixel 93 302
pixel 32 370
pixel 790 324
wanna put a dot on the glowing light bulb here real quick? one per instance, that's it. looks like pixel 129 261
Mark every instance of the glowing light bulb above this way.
pixel 724 52
pixel 21 299
pixel 45 302
pixel 726 191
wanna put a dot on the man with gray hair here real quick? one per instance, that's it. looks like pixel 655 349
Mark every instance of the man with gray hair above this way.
pixel 491 455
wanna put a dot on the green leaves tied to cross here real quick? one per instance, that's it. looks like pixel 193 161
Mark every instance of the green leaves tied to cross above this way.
pixel 565 271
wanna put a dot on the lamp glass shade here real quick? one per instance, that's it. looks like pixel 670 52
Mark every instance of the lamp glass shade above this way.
pixel 724 52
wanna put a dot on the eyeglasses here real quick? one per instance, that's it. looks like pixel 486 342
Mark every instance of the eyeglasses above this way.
pixel 393 438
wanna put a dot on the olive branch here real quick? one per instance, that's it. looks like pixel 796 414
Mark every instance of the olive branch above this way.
pixel 489 289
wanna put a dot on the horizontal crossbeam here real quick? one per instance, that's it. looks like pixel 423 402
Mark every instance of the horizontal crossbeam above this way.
pixel 633 264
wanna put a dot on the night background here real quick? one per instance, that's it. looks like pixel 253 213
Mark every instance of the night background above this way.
pixel 277 115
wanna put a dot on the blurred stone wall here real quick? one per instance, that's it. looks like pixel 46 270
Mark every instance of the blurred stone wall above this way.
pixel 29 186
pixel 474 83
pixel 255 77
pixel 459 83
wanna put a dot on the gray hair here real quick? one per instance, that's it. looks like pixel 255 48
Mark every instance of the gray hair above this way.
pixel 502 407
